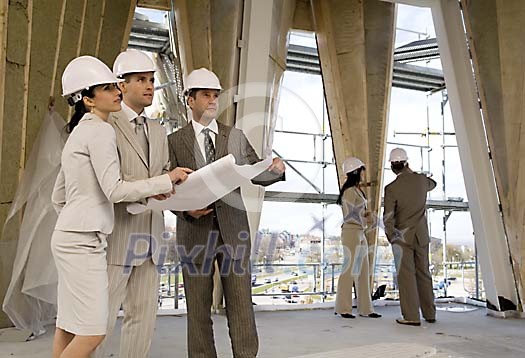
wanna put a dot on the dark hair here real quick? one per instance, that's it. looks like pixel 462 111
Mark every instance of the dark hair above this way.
pixel 126 77
pixel 80 109
pixel 397 166
pixel 352 179
pixel 193 93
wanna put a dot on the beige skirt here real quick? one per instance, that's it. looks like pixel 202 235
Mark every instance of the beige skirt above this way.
pixel 80 258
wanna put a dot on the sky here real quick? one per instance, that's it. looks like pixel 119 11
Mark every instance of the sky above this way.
pixel 302 109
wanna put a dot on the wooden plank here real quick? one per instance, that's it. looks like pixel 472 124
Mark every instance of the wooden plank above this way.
pixel 68 49
pixel 4 6
pixel 46 22
pixel 23 137
pixel 100 23
pixel 16 61
pixel 92 18
pixel 6 256
pixel 57 50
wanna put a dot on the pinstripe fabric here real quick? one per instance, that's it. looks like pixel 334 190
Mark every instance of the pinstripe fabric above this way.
pixel 230 210
pixel 239 310
pixel 136 289
pixel 229 218
pixel 134 166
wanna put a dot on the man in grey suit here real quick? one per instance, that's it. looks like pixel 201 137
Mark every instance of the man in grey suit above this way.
pixel 407 230
pixel 137 246
pixel 220 232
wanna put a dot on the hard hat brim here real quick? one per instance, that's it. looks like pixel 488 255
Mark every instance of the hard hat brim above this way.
pixel 188 90
pixel 120 74
pixel 117 80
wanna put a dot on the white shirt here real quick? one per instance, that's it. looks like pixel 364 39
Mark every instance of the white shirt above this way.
pixel 131 115
pixel 199 135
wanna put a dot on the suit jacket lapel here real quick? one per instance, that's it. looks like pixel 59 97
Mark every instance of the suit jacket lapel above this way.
pixel 193 146
pixel 125 127
pixel 221 142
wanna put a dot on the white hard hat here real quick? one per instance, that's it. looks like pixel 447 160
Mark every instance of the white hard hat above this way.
pixel 352 163
pixel 84 72
pixel 132 61
pixel 398 155
pixel 202 79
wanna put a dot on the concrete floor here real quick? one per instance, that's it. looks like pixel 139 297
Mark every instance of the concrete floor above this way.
pixel 320 334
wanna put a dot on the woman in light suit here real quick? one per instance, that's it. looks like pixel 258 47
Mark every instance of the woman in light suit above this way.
pixel 86 188
pixel 353 201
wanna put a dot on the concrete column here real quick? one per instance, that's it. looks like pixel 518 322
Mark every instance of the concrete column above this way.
pixel 340 33
pixel 115 28
pixel 355 43
pixel 263 61
pixel 208 35
pixel 490 237
pixel 302 18
pixel 497 44
pixel 380 23
pixel 226 51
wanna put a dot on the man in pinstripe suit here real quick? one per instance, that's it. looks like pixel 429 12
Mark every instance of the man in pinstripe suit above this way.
pixel 136 247
pixel 221 231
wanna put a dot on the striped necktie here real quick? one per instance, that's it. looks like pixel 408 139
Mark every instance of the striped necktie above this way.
pixel 209 148
pixel 141 135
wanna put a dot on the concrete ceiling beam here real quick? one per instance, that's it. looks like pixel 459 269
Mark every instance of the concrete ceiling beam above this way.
pixel 164 5
pixel 302 18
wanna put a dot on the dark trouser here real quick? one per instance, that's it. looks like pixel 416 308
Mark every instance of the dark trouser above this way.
pixel 236 281
pixel 414 281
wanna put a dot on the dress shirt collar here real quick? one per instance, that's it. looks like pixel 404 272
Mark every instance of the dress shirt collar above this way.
pixel 197 127
pixel 131 114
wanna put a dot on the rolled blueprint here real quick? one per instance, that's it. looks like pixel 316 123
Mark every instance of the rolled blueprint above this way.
pixel 205 186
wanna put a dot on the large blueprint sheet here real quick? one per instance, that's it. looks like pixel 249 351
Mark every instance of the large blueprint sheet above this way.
pixel 205 186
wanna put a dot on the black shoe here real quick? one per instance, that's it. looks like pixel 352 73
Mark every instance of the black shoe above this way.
pixel 408 323
pixel 372 315
pixel 347 315
pixel 431 320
